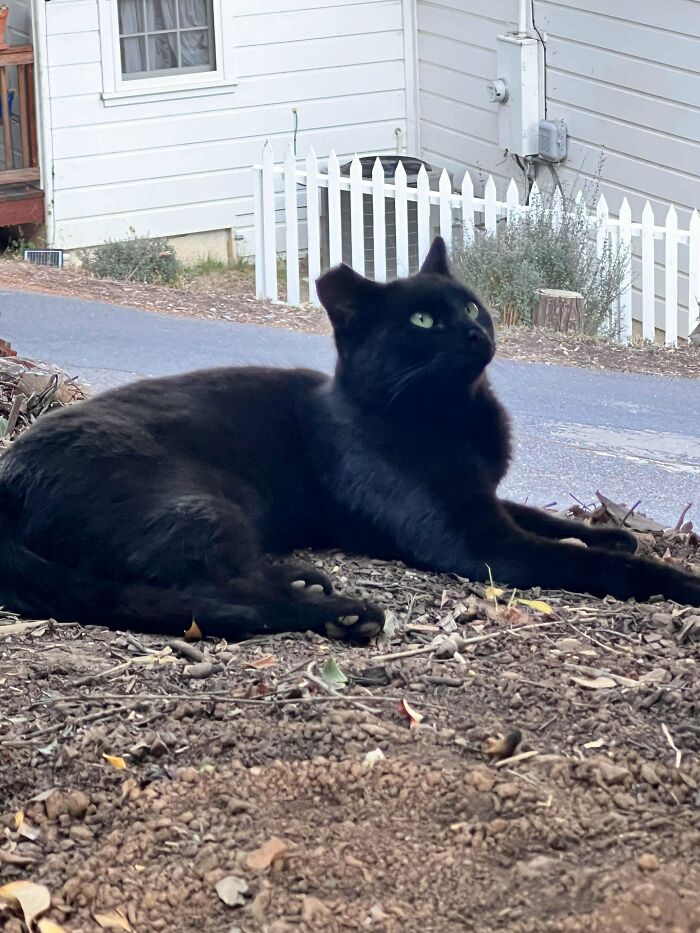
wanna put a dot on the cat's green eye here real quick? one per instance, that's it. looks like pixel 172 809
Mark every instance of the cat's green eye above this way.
pixel 473 310
pixel 421 319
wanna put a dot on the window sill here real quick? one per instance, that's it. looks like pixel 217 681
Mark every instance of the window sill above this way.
pixel 161 91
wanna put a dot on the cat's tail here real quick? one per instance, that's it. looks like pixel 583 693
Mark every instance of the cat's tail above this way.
pixel 36 588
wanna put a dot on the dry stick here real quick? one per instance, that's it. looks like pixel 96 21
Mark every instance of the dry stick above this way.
pixel 631 511
pixel 679 523
pixel 217 697
pixel 426 649
pixel 669 739
pixel 14 414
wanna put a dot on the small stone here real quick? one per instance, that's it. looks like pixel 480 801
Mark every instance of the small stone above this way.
pixel 648 862
pixel 612 773
pixel 81 834
pixel 71 803
pixel 312 909
pixel 649 775
pixel 507 790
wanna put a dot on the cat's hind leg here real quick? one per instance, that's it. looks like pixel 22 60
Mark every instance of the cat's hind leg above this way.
pixel 543 523
pixel 203 544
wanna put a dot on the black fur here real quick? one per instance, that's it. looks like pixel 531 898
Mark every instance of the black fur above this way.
pixel 155 503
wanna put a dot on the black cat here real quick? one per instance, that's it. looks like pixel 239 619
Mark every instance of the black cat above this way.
pixel 155 503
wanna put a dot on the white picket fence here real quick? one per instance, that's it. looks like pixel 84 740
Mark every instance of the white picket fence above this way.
pixel 278 191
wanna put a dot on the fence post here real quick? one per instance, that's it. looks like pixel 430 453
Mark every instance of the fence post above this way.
pixel 268 224
pixel 468 209
pixel 335 241
pixel 694 272
pixel 379 221
pixel 259 239
pixel 423 214
pixel 671 277
pixel 512 201
pixel 490 206
pixel 602 214
pixel 357 216
pixel 557 209
pixel 291 227
pixel 401 206
pixel 313 224
pixel 648 304
pixel 625 318
pixel 445 193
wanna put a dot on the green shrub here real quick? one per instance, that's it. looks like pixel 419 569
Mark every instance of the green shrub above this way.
pixel 536 250
pixel 136 259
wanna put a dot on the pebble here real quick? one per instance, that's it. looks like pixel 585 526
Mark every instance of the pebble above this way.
pixel 648 862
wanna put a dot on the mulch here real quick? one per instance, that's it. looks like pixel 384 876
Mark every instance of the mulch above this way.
pixel 230 296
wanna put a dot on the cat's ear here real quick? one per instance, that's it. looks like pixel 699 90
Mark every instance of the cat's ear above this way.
pixel 436 260
pixel 345 294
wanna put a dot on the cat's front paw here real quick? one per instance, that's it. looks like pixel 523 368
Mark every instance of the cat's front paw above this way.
pixel 360 622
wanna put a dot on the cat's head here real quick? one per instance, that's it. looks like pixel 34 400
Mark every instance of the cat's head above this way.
pixel 424 334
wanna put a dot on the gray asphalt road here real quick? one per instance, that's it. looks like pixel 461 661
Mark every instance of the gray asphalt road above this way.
pixel 632 437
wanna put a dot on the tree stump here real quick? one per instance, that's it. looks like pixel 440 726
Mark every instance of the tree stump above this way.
pixel 558 309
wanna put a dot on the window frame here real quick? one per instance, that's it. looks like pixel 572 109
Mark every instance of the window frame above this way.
pixel 161 85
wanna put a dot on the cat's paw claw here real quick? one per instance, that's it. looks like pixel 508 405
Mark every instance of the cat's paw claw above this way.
pixel 360 626
pixel 309 580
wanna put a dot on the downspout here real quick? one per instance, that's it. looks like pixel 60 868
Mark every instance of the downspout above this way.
pixel 522 17
pixel 44 115
pixel 410 62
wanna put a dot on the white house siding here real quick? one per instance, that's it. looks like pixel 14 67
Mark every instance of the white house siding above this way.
pixel 626 78
pixel 183 166
pixel 456 49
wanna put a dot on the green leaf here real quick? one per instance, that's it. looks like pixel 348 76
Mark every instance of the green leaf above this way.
pixel 332 675
pixel 3 426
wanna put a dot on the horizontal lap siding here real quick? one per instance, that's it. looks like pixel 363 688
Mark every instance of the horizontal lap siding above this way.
pixel 456 57
pixel 183 166
pixel 628 87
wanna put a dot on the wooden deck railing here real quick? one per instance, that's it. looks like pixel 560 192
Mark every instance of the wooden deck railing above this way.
pixel 18 155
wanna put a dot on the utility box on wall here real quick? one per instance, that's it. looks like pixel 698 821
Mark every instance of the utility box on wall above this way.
pixel 519 93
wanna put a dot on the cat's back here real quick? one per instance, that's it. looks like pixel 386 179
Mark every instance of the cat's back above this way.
pixel 202 413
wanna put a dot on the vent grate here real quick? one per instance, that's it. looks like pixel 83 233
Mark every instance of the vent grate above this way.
pixel 44 257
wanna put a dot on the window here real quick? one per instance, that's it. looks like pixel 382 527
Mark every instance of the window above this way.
pixel 166 37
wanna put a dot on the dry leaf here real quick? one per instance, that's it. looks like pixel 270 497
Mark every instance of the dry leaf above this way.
pixel 19 819
pixel 595 683
pixel 268 660
pixel 269 852
pixel 48 926
pixel 115 761
pixel 493 592
pixel 596 743
pixel 537 604
pixel 113 918
pixel 414 716
pixel 232 890
pixel 194 632
pixel 33 898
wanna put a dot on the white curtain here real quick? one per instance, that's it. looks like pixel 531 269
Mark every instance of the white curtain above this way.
pixel 181 37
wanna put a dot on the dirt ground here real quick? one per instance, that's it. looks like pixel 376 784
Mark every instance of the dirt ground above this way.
pixel 140 773
pixel 230 296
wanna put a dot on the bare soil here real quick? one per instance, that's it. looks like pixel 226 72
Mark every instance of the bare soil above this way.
pixel 230 296
pixel 334 807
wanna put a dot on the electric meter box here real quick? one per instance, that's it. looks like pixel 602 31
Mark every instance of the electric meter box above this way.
pixel 519 114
